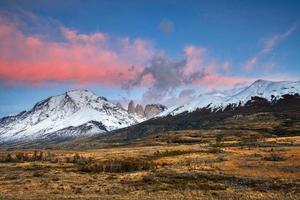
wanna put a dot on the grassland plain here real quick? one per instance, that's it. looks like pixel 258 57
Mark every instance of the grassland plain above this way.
pixel 183 164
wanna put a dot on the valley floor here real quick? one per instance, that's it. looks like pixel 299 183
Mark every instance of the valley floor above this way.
pixel 188 166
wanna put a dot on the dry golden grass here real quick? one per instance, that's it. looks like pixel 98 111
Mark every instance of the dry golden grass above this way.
pixel 184 169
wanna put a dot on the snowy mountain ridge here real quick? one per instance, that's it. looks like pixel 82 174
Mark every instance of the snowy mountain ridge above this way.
pixel 82 113
pixel 269 90
pixel 77 112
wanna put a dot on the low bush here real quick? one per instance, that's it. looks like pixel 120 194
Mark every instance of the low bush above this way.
pixel 215 149
pixel 77 159
pixel 26 157
pixel 117 166
pixel 160 154
pixel 275 157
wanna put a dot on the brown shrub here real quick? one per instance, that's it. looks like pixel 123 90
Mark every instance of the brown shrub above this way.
pixel 160 154
pixel 25 157
pixel 22 157
pixel 275 157
pixel 77 159
pixel 215 149
pixel 6 158
pixel 117 165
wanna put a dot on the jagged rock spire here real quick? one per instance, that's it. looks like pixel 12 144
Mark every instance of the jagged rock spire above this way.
pixel 131 107
pixel 139 110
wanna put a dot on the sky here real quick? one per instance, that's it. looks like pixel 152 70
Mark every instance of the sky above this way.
pixel 157 51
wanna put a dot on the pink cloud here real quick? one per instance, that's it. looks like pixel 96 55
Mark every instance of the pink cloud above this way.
pixel 213 81
pixel 198 60
pixel 219 81
pixel 194 58
pixel 73 36
pixel 83 58
pixel 139 50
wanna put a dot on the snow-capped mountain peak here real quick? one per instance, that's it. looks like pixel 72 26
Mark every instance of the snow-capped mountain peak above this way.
pixel 66 112
pixel 267 89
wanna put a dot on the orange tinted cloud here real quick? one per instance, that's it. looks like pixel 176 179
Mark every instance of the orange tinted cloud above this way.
pixel 215 80
pixel 83 58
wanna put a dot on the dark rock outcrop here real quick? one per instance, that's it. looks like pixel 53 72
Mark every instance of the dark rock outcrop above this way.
pixel 150 111
pixel 131 107
pixel 139 110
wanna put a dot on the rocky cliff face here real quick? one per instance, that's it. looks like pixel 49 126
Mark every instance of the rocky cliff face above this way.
pixel 139 110
pixel 151 110
pixel 131 107
pixel 119 105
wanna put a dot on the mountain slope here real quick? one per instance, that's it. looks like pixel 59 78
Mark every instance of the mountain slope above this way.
pixel 72 114
pixel 269 90
pixel 258 115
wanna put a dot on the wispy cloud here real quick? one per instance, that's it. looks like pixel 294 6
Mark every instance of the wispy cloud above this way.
pixel 166 25
pixel 268 46
pixel 271 42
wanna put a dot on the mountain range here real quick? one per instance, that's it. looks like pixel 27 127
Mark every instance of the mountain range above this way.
pixel 268 90
pixel 81 113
